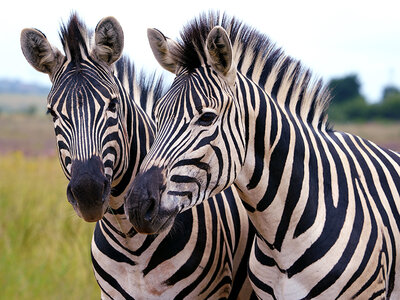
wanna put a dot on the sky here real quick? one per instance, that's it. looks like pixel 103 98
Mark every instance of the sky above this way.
pixel 332 38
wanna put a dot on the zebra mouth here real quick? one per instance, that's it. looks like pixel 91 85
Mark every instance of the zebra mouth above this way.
pixel 89 189
pixel 91 204
pixel 154 224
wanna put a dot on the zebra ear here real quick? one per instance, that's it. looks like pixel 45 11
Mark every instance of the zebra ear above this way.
pixel 109 40
pixel 38 51
pixel 161 47
pixel 219 54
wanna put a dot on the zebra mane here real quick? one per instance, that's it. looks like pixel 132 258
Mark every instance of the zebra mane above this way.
pixel 75 39
pixel 257 57
pixel 144 89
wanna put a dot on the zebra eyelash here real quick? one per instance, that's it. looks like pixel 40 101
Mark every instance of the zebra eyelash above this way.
pixel 52 113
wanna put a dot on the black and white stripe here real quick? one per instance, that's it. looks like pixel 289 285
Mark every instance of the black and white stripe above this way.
pixel 96 110
pixel 325 204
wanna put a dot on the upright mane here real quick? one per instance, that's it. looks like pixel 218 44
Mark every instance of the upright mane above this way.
pixel 282 77
pixel 77 42
pixel 75 39
pixel 144 89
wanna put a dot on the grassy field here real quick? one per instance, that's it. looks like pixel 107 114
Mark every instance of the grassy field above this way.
pixel 44 246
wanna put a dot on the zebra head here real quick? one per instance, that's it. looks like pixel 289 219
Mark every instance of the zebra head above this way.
pixel 199 145
pixel 84 102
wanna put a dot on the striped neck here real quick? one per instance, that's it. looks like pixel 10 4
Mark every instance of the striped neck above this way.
pixel 137 126
pixel 279 173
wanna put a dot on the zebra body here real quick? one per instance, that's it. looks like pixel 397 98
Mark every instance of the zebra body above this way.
pixel 175 264
pixel 102 137
pixel 325 204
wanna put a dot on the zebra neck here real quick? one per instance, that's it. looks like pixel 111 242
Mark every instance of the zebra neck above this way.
pixel 116 229
pixel 138 130
pixel 277 178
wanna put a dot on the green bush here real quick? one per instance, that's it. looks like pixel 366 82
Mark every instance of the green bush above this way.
pixel 389 108
pixel 355 110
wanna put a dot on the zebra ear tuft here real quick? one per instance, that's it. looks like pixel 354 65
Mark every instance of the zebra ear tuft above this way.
pixel 109 40
pixel 161 47
pixel 38 51
pixel 219 53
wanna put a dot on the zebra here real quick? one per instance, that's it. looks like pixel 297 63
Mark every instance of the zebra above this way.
pixel 325 204
pixel 102 136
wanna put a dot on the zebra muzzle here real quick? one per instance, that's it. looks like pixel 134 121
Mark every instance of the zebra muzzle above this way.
pixel 88 190
pixel 143 202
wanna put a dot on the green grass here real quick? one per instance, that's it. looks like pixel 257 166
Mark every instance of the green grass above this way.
pixel 44 246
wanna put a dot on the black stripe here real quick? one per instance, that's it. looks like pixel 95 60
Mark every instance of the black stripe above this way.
pixel 259 145
pixel 260 285
pixel 309 214
pixel 173 243
pixel 335 216
pixel 110 280
pixel 104 246
pixel 210 261
pixel 196 256
pixel 295 187
pixel 276 167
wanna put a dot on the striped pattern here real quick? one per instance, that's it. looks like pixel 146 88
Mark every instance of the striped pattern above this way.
pixel 325 204
pixel 96 112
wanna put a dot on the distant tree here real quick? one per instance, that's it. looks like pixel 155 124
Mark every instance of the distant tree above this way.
pixel 345 88
pixel 348 105
pixel 354 110
pixel 389 107
pixel 390 90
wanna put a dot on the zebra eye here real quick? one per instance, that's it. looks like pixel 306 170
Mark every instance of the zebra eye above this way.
pixel 52 113
pixel 206 119
pixel 112 106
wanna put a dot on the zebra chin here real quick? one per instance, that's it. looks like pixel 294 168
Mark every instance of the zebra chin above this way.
pixel 89 189
pixel 158 224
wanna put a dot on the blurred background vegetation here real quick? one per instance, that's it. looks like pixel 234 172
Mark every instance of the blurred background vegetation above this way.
pixel 349 105
pixel 44 246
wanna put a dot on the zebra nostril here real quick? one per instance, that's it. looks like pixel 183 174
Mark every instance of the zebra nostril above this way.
pixel 150 211
pixel 162 189
pixel 106 189
pixel 70 195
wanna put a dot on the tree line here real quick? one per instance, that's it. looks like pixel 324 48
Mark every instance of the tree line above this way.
pixel 349 105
